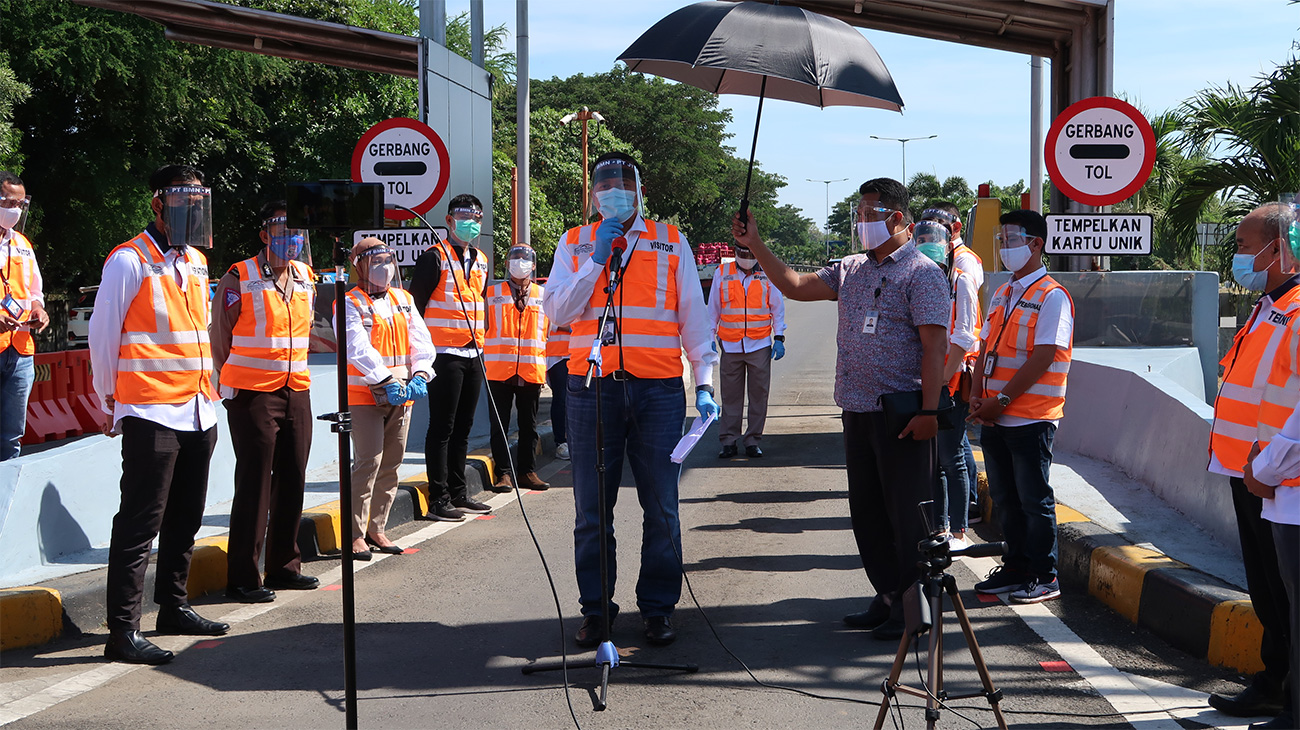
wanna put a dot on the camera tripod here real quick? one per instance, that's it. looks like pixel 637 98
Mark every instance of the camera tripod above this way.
pixel 923 611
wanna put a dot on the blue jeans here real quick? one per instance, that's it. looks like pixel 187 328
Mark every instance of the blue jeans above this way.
pixel 1017 460
pixel 972 471
pixel 643 421
pixel 557 378
pixel 953 492
pixel 16 375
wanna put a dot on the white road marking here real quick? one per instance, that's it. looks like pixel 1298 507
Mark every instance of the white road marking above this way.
pixel 63 688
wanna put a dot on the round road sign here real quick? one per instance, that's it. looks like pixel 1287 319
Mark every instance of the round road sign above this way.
pixel 409 159
pixel 1100 151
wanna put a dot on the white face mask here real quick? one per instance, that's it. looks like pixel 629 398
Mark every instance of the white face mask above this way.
pixel 1015 258
pixel 872 235
pixel 746 264
pixel 520 268
pixel 9 217
pixel 381 276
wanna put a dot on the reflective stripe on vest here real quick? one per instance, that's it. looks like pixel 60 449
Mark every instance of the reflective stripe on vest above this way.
pixel 268 345
pixel 973 354
pixel 164 355
pixel 516 341
pixel 19 268
pixel 648 343
pixel 1045 399
pixel 745 313
pixel 557 344
pixel 386 319
pixel 455 299
pixel 1260 385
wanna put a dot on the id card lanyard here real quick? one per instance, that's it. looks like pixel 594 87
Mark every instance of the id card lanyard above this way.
pixel 991 356
pixel 10 305
pixel 872 319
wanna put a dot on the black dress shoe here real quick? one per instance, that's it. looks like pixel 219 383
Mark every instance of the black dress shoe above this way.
pixel 876 614
pixel 891 630
pixel 295 582
pixel 131 647
pixel 588 634
pixel 1285 721
pixel 183 620
pixel 361 555
pixel 375 547
pixel 250 595
pixel 753 452
pixel 728 451
pixel 659 631
pixel 1250 702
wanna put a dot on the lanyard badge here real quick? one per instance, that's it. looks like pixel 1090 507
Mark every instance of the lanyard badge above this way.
pixel 12 306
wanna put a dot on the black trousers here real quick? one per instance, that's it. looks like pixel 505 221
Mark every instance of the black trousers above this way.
pixel 526 396
pixel 453 396
pixel 1264 583
pixel 887 478
pixel 164 485
pixel 271 435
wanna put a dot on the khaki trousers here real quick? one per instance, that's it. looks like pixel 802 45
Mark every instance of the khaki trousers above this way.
pixel 379 440
pixel 738 369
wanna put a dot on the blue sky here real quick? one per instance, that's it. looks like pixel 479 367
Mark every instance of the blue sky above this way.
pixel 976 100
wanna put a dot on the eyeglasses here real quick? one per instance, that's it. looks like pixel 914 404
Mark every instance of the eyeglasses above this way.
pixel 16 202
pixel 874 213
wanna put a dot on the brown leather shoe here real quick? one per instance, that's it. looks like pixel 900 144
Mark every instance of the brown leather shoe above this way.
pixel 532 481
pixel 505 483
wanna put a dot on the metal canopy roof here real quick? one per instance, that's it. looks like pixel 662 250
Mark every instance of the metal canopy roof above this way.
pixel 275 34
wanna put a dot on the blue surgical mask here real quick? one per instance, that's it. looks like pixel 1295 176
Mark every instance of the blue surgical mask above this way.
pixel 1243 270
pixel 286 248
pixel 616 203
pixel 467 231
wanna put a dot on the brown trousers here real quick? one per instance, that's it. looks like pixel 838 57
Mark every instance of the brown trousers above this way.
pixel 737 370
pixel 379 440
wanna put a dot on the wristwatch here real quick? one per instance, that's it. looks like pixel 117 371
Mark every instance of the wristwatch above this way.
pixel 779 338
pixel 1004 400
pixel 705 389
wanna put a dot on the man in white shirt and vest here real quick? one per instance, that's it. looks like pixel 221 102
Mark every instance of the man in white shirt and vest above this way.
pixel 152 365
pixel 22 307
pixel 261 328
pixel 747 315
pixel 658 309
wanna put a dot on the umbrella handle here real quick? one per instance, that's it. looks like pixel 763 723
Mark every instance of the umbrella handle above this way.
pixel 744 213
pixel 744 202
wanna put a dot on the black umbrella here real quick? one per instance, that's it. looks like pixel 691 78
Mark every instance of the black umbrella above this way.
pixel 763 50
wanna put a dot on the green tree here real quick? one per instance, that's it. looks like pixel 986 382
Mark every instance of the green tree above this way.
pixel 12 92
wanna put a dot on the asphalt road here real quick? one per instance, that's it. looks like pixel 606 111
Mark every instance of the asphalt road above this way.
pixel 443 632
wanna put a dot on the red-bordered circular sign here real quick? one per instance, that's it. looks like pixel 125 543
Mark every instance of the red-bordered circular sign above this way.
pixel 409 159
pixel 1100 151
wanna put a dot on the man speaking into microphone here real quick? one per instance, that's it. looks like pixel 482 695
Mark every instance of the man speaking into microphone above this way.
pixel 657 310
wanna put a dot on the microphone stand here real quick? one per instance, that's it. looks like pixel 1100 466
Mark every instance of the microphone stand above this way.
pixel 607 657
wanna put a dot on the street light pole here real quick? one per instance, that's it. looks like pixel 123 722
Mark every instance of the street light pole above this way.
pixel 584 116
pixel 827 242
pixel 903 141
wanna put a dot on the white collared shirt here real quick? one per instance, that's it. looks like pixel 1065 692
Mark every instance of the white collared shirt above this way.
pixel 1280 460
pixel 775 302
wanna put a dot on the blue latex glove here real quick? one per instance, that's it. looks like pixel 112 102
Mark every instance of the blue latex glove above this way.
pixel 705 404
pixel 396 393
pixel 714 345
pixel 417 388
pixel 778 349
pixel 605 235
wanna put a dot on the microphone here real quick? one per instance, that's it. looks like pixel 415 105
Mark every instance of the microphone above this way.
pixel 618 247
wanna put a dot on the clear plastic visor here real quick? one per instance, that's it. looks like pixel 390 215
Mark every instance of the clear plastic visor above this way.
pixel 286 244
pixel 1012 237
pixel 930 232
pixel 1288 230
pixel 377 269
pixel 187 215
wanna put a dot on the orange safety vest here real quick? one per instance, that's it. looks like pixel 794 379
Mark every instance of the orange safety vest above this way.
pixel 18 269
pixel 165 355
pixel 648 339
pixel 1012 339
pixel 386 320
pixel 516 341
pixel 454 299
pixel 557 345
pixel 268 345
pixel 1260 383
pixel 973 354
pixel 745 313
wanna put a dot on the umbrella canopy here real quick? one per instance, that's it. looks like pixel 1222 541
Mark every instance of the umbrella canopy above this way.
pixel 756 49
pixel 762 50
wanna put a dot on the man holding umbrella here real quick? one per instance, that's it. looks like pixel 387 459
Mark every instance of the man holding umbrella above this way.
pixel 658 308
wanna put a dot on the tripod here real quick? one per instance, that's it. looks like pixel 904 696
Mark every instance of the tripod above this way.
pixel 923 611
pixel 607 657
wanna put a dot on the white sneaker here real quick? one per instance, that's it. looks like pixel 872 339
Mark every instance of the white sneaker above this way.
pixel 958 543
pixel 562 452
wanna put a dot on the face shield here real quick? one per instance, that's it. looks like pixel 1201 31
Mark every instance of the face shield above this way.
pixel 943 217
pixel 467 223
pixel 376 268
pixel 931 239
pixel 616 190
pixel 521 262
pixel 13 212
pixel 285 244
pixel 1289 232
pixel 187 215
pixel 745 259
pixel 1014 247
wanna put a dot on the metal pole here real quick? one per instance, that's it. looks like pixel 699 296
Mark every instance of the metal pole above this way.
pixel 904 180
pixel 904 141
pixel 585 180
pixel 476 32
pixel 828 210
pixel 522 114
pixel 1036 134
pixel 433 21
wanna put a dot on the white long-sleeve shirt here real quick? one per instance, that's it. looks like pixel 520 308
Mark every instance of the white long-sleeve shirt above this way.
pixel 364 357
pixel 1280 460
pixel 568 292
pixel 775 302
pixel 118 287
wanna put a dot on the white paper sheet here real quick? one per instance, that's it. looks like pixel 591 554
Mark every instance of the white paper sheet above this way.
pixel 692 437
